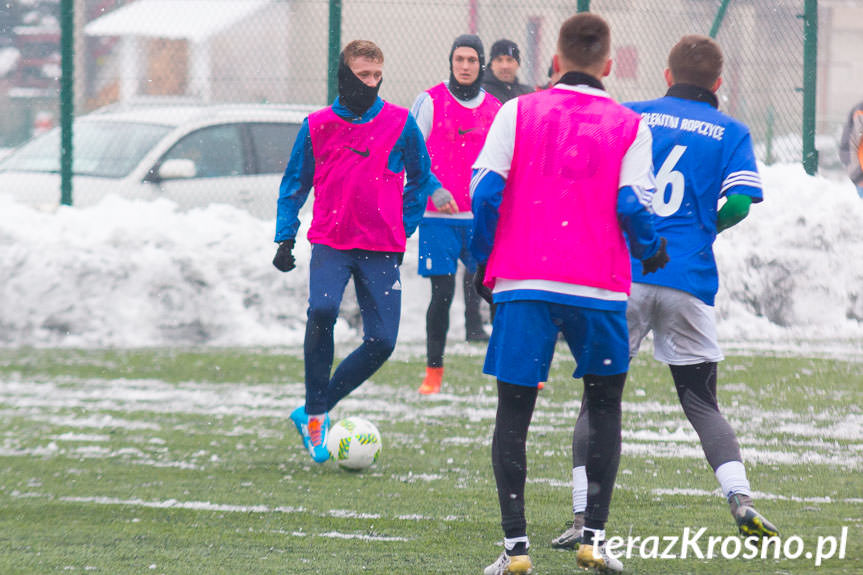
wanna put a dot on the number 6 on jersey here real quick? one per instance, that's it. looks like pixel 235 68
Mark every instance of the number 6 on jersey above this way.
pixel 665 176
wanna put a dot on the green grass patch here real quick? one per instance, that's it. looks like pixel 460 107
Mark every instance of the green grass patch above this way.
pixel 184 462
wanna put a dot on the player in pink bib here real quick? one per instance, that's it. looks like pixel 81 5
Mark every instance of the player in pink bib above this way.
pixel 368 164
pixel 454 118
pixel 563 175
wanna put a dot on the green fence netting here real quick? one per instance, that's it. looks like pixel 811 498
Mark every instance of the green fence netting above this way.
pixel 207 51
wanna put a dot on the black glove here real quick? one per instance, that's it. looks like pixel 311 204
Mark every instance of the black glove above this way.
pixel 480 288
pixel 284 260
pixel 400 257
pixel 657 260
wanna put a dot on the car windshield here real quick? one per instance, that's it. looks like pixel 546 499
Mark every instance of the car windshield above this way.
pixel 102 149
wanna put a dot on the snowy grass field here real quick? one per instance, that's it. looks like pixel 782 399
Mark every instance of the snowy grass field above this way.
pixel 184 462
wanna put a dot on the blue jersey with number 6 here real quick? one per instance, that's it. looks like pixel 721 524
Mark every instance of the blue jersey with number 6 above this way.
pixel 700 155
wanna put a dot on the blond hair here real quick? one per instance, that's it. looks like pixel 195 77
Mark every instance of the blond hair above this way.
pixel 362 49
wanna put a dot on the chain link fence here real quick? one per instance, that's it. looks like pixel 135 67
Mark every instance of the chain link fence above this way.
pixel 276 51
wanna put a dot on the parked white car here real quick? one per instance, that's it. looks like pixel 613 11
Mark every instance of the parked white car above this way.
pixel 191 155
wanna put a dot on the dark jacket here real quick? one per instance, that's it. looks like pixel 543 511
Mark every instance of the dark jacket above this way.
pixel 503 91
pixel 849 145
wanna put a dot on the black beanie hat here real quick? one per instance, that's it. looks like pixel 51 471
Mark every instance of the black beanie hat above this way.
pixel 504 47
pixel 467 92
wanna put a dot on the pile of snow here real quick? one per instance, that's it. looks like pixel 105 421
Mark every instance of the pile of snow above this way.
pixel 794 268
pixel 129 274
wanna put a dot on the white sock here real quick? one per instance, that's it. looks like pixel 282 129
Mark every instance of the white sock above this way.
pixel 732 479
pixel 511 543
pixel 579 489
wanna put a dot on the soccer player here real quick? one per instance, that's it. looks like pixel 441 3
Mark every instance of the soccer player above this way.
pixel 356 154
pixel 702 156
pixel 562 175
pixel 851 146
pixel 454 118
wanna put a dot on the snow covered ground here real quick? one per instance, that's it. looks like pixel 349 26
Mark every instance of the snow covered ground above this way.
pixel 128 274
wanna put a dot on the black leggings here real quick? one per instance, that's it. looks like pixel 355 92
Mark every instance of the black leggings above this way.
pixel 437 318
pixel 472 300
pixel 597 447
pixel 515 405
pixel 696 388
pixel 602 416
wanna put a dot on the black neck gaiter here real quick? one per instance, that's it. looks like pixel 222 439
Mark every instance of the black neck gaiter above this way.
pixel 354 94
pixel 577 78
pixel 462 92
pixel 693 92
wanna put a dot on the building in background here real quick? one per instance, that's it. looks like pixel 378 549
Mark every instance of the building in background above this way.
pixel 29 67
pixel 204 50
pixel 840 61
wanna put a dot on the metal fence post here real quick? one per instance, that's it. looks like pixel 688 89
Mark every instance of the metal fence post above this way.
pixel 720 15
pixel 67 97
pixel 810 65
pixel 335 43
pixel 768 136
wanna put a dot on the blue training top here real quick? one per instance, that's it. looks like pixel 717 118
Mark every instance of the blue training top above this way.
pixel 700 155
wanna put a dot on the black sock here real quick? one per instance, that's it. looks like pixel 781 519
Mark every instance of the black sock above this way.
pixel 519 549
pixel 587 536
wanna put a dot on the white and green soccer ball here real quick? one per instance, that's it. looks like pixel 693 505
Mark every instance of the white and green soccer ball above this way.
pixel 354 443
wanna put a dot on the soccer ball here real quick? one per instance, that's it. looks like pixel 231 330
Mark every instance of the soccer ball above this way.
pixel 354 443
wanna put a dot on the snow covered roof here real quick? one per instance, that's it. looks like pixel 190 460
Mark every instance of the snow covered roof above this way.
pixel 193 20
pixel 8 60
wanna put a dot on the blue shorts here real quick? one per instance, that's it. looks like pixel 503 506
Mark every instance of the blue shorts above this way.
pixel 444 241
pixel 525 332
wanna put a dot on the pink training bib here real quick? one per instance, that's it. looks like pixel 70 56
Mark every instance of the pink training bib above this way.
pixel 558 218
pixel 456 138
pixel 358 200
